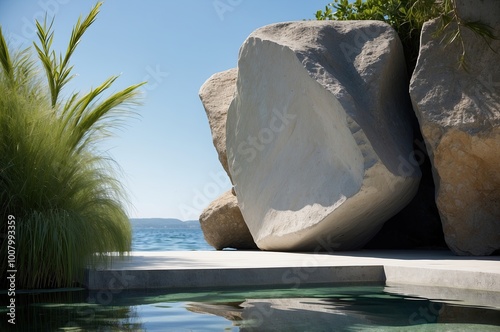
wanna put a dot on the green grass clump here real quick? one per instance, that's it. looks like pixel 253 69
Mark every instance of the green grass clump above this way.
pixel 64 195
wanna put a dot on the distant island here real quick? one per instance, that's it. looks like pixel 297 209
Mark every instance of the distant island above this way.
pixel 163 223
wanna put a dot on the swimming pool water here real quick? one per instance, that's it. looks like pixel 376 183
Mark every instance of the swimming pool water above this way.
pixel 333 308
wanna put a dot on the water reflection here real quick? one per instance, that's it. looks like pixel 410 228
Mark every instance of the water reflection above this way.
pixel 356 308
pixel 353 310
pixel 68 310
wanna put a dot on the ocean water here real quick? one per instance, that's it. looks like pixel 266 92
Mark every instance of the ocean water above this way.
pixel 168 239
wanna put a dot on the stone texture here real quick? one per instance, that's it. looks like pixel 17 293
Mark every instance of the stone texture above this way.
pixel 216 95
pixel 417 225
pixel 459 116
pixel 223 225
pixel 319 134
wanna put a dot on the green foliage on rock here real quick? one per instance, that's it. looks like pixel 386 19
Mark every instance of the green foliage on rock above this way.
pixel 64 195
pixel 407 18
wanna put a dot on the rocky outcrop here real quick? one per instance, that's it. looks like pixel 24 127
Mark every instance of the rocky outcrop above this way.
pixel 459 115
pixel 222 222
pixel 223 225
pixel 319 140
pixel 417 225
pixel 216 95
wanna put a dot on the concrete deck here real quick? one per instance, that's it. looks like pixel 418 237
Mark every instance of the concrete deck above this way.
pixel 208 269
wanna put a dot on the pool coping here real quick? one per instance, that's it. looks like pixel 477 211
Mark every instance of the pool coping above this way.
pixel 213 269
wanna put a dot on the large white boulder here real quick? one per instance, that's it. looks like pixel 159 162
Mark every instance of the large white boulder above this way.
pixel 459 115
pixel 318 136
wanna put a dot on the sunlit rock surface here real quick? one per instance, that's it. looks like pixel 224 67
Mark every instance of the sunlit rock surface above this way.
pixel 459 115
pixel 216 95
pixel 319 140
pixel 223 225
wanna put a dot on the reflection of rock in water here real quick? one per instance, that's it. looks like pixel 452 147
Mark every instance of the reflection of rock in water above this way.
pixel 291 314
pixel 230 311
pixel 351 312
pixel 467 315
pixel 463 297
pixel 299 314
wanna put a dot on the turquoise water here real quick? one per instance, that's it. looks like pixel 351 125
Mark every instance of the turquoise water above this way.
pixel 341 308
pixel 168 239
pixel 335 308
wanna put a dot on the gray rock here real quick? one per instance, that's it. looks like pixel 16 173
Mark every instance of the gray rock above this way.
pixel 459 116
pixel 216 95
pixel 319 137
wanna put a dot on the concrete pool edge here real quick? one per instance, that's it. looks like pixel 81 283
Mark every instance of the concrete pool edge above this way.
pixel 205 269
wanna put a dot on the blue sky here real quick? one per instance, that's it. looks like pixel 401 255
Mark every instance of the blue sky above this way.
pixel 168 163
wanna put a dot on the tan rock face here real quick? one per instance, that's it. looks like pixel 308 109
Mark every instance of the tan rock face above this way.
pixel 469 190
pixel 223 225
pixel 216 95
pixel 459 115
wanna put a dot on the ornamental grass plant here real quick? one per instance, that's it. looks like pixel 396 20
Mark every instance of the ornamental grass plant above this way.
pixel 67 202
